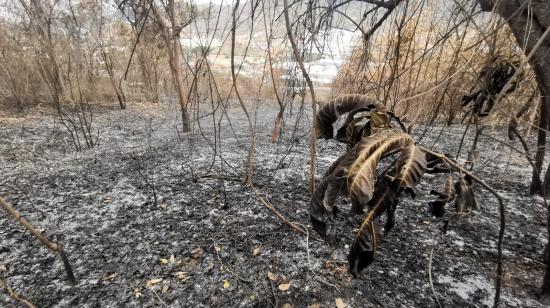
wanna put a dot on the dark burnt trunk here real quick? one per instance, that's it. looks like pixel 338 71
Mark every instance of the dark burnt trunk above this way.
pixel 536 184
pixel 535 16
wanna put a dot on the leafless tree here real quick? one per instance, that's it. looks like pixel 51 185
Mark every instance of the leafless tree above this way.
pixel 172 21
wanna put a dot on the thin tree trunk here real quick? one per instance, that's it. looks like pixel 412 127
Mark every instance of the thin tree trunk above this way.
pixel 175 65
pixel 545 102
pixel 171 34
pixel 313 140
pixel 542 74
pixel 251 128
pixel 536 185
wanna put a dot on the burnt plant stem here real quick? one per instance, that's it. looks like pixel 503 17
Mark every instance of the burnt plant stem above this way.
pixel 53 246
pixel 251 129
pixel 298 57
pixel 502 214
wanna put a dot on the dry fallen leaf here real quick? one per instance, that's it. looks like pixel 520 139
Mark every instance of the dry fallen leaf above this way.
pixel 164 289
pixel 284 286
pixel 257 251
pixel 217 248
pixel 182 276
pixel 340 303
pixel 286 305
pixel 3 268
pixel 153 281
pixel 110 277
pixel 271 276
pixel 137 292
pixel 163 261
pixel 172 259
pixel 197 253
pixel 314 305
pixel 226 284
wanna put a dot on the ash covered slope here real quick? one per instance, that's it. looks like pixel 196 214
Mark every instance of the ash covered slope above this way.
pixel 99 204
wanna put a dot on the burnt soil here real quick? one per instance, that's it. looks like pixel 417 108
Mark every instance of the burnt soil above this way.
pixel 209 242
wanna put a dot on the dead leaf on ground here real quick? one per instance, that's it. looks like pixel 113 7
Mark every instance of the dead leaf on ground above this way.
pixel 287 305
pixel 3 268
pixel 271 276
pixel 284 286
pixel 197 253
pixel 137 292
pixel 340 303
pixel 165 289
pixel 256 251
pixel 170 260
pixel 181 276
pixel 110 277
pixel 226 284
pixel 153 281
pixel 314 305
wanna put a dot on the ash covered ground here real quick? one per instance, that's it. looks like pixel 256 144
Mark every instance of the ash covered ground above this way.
pixel 209 242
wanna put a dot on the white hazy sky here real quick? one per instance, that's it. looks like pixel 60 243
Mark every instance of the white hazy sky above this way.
pixel 200 2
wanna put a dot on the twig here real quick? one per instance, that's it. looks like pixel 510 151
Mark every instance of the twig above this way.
pixel 270 206
pixel 227 268
pixel 53 246
pixel 158 297
pixel 309 264
pixel 15 296
pixel 430 270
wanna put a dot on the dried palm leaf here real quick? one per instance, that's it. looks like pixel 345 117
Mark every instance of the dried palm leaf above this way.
pixel 364 244
pixel 362 173
pixel 331 112
pixel 410 166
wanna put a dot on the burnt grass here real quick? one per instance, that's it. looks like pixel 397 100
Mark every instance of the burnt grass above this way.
pixel 208 241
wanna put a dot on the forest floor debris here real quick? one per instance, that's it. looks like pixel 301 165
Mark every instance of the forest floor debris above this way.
pixel 208 241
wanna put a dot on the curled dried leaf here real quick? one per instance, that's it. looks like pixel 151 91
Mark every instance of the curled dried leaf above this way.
pixel 364 244
pixel 330 112
pixel 284 286
pixel 137 292
pixel 362 173
pixel 410 166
